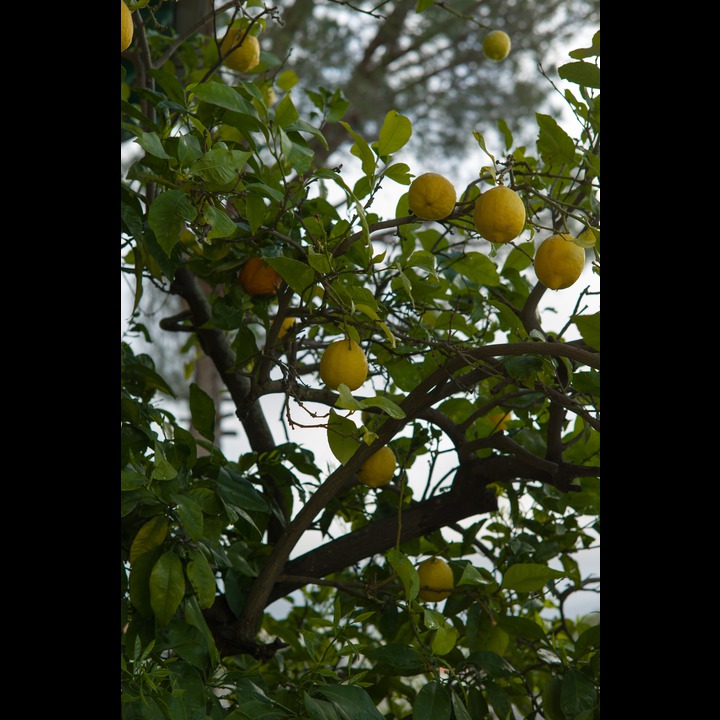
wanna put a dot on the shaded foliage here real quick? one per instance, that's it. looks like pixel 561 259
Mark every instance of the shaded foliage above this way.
pixel 452 332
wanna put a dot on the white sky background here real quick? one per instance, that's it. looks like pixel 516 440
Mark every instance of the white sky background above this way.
pixel 555 309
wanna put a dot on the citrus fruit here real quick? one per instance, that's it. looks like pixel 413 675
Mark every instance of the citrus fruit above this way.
pixel 259 278
pixel 559 262
pixel 287 323
pixel 435 573
pixel 499 214
pixel 431 196
pixel 343 361
pixel 496 45
pixel 247 55
pixel 378 469
pixel 269 95
pixel 126 26
pixel 499 419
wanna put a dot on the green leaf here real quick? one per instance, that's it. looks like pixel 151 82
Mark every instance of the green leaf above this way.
pixel 521 627
pixel 201 578
pixel 587 382
pixel 386 405
pixel 167 587
pixel 477 268
pixel 432 703
pixel 423 5
pixel 553 143
pixel 362 150
pixel 189 149
pixel 139 581
pixel 235 489
pixel 163 470
pixel 551 699
pixel 459 710
pixel 406 571
pixel 286 113
pixel 151 535
pixel 481 142
pixel 167 215
pixel 589 328
pixel 396 659
pixel 529 577
pixel 202 410
pixel 587 641
pixel 222 95
pixel 581 73
pixel 255 211
pixel 342 437
pixel 499 700
pixel 298 275
pixel 444 640
pixel 592 51
pixel 354 700
pixel 345 400
pixel 578 693
pixel 190 514
pixel 220 165
pixel 172 86
pixel 399 172
pixel 287 79
pixel 394 133
pixel 150 142
pixel 222 226
pixel 319 709
pixel 492 663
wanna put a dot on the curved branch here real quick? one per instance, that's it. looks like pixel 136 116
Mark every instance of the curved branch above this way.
pixel 215 344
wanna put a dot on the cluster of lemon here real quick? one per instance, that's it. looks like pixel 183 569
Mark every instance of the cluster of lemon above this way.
pixel 499 216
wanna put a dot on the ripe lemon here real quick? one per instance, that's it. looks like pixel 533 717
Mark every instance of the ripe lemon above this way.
pixel 247 56
pixel 499 214
pixel 499 419
pixel 287 323
pixel 559 262
pixel 435 573
pixel 431 196
pixel 343 361
pixel 496 45
pixel 259 278
pixel 378 469
pixel 126 26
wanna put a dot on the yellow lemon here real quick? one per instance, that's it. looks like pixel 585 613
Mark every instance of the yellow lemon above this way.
pixel 287 323
pixel 431 196
pixel 559 262
pixel 126 26
pixel 499 214
pixel 435 573
pixel 269 95
pixel 496 45
pixel 343 361
pixel 378 469
pixel 247 55
pixel 499 419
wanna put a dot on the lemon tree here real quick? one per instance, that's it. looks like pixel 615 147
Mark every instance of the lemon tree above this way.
pixel 351 345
